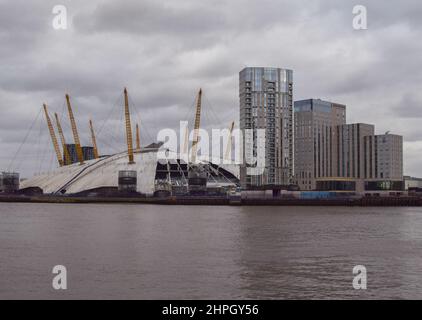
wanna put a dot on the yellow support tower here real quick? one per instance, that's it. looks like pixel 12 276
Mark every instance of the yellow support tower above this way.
pixel 94 140
pixel 196 127
pixel 67 161
pixel 75 131
pixel 128 129
pixel 53 137
pixel 227 155
pixel 186 141
pixel 138 138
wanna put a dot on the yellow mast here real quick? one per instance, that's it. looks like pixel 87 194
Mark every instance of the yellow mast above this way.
pixel 138 138
pixel 128 129
pixel 53 137
pixel 67 159
pixel 75 132
pixel 196 127
pixel 186 142
pixel 229 142
pixel 94 140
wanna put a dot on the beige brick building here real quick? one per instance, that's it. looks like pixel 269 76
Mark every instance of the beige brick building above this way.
pixel 316 142
pixel 333 155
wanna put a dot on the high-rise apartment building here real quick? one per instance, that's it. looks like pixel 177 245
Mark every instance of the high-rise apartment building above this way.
pixel 333 155
pixel 316 144
pixel 266 102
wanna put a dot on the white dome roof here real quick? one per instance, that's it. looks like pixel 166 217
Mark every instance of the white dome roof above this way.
pixel 104 172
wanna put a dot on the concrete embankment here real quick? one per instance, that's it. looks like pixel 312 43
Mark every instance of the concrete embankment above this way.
pixel 221 201
pixel 363 202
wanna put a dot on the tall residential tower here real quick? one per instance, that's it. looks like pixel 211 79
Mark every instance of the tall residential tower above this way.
pixel 266 102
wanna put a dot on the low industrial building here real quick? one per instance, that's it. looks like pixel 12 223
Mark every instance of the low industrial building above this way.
pixel 9 182
pixel 412 183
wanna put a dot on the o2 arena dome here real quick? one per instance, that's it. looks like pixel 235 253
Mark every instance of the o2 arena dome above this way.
pixel 137 170
pixel 100 176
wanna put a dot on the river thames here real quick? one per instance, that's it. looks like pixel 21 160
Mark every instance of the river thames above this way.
pixel 198 252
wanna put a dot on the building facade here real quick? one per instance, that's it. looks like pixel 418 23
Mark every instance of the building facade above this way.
pixel 412 183
pixel 351 150
pixel 9 182
pixel 333 155
pixel 383 162
pixel 316 143
pixel 266 102
pixel 87 152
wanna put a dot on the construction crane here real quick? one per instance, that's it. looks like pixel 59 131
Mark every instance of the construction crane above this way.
pixel 196 127
pixel 229 143
pixel 67 159
pixel 94 140
pixel 138 138
pixel 128 129
pixel 75 132
pixel 53 137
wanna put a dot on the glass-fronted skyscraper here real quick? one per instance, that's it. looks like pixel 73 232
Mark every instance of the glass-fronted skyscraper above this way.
pixel 266 102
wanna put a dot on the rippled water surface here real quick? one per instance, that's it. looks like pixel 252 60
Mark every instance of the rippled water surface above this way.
pixel 192 252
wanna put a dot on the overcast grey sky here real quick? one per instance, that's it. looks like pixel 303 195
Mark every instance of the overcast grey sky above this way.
pixel 163 51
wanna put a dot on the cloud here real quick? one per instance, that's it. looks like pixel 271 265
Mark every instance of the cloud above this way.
pixel 409 106
pixel 151 18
